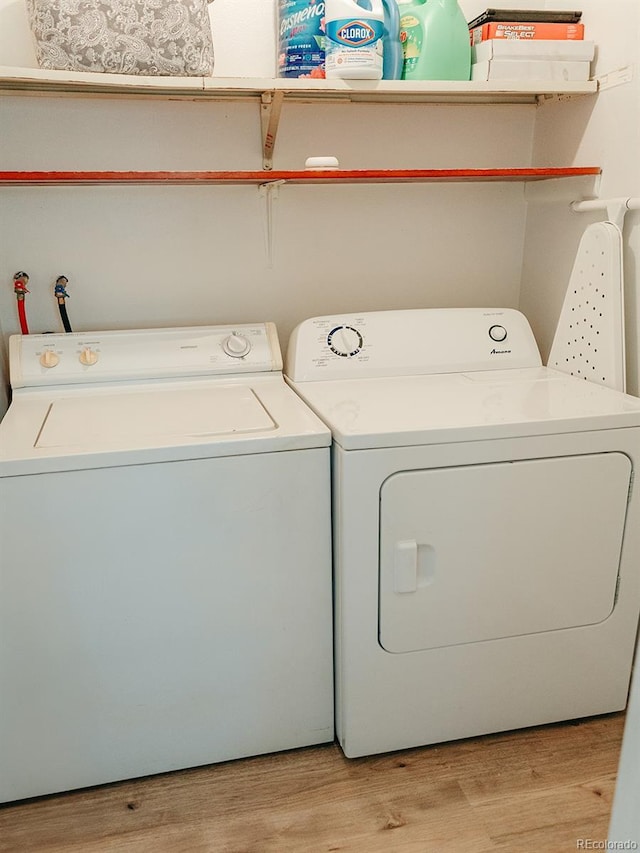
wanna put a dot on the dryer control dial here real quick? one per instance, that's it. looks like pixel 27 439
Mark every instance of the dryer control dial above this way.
pixel 498 334
pixel 49 358
pixel 345 341
pixel 88 357
pixel 236 345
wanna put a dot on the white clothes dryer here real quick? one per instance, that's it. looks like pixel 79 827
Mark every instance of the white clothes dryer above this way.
pixel 486 526
pixel 166 562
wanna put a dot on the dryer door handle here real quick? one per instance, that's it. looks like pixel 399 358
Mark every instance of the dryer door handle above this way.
pixel 405 566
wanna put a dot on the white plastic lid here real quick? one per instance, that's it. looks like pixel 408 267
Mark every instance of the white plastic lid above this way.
pixel 319 163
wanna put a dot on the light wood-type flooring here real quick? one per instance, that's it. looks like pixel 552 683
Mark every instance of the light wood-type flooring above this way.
pixel 542 790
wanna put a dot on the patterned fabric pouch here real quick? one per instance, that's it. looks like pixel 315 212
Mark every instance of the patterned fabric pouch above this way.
pixel 153 37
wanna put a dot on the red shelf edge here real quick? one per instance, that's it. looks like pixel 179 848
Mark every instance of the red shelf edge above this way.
pixel 300 177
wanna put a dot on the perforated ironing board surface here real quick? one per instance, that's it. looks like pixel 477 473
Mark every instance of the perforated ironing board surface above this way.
pixel 589 339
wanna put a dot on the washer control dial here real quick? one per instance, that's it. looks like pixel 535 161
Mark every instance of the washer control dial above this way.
pixel 49 358
pixel 236 345
pixel 345 341
pixel 498 334
pixel 88 357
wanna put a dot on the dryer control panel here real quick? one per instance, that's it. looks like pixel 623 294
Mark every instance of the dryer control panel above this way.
pixel 91 357
pixel 412 342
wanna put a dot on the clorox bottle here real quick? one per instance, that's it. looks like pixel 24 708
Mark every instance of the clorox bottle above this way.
pixel 354 31
pixel 435 38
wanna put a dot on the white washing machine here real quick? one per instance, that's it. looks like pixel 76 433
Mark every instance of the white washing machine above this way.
pixel 486 527
pixel 165 581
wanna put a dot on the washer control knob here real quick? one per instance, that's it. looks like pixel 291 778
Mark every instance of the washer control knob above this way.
pixel 88 357
pixel 49 358
pixel 498 334
pixel 236 345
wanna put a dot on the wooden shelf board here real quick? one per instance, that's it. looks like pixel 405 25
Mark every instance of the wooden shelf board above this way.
pixel 38 81
pixel 360 176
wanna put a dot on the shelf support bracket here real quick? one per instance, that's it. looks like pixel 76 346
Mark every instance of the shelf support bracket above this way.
pixel 270 108
pixel 269 192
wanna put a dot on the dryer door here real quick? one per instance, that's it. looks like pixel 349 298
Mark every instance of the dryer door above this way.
pixel 481 552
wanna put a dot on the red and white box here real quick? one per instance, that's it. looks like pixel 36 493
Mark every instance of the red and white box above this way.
pixel 526 31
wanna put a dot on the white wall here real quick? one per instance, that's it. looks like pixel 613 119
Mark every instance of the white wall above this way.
pixel 161 256
pixel 172 255
pixel 601 131
pixel 146 256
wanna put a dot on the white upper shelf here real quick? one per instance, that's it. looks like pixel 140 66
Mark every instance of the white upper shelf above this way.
pixel 271 94
pixel 293 89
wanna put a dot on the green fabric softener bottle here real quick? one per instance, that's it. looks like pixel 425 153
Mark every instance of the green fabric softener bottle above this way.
pixel 435 40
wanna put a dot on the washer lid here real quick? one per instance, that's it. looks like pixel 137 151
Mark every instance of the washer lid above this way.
pixel 436 409
pixel 115 418
pixel 74 427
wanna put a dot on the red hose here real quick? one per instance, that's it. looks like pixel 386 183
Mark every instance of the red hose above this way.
pixel 20 281
pixel 22 315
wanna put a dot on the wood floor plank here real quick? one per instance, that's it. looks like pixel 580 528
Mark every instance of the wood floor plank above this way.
pixel 543 810
pixel 532 791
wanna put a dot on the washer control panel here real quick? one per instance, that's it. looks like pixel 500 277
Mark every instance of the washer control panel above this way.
pixel 142 354
pixel 405 343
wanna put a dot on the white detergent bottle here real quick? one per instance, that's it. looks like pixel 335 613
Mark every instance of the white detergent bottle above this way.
pixel 354 30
